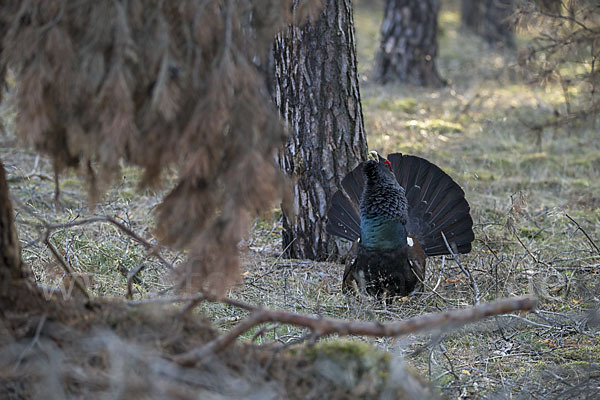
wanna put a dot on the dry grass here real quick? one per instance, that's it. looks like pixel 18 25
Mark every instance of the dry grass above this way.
pixel 520 185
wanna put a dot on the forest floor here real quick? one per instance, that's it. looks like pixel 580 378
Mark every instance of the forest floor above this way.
pixel 521 185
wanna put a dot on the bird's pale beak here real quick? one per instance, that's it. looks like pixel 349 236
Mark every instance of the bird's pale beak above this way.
pixel 373 156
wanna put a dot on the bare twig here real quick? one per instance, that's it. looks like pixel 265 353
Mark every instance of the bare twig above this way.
pixel 445 354
pixel 585 233
pixel 41 176
pixel 465 270
pixel 261 332
pixel 35 340
pixel 275 226
pixel 48 228
pixel 64 265
pixel 568 18
pixel 437 284
pixel 166 300
pixel 131 278
pixel 56 188
pixel 270 269
pixel 321 327
pixel 152 250
pixel 535 259
pixel 433 290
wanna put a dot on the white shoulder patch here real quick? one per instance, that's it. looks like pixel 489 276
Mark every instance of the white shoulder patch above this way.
pixel 409 241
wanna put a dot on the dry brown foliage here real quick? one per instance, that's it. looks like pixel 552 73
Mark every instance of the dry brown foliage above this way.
pixel 164 85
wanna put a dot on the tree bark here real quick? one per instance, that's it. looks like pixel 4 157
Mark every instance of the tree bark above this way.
pixel 316 89
pixel 10 251
pixel 17 288
pixel 497 30
pixel 472 15
pixel 408 47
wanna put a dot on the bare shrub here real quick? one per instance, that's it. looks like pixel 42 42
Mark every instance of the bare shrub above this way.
pixel 563 52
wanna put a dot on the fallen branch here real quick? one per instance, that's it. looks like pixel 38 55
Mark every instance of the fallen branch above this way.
pixel 321 327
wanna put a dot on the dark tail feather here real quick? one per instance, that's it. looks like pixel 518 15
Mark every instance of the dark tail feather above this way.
pixel 343 215
pixel 354 184
pixel 435 204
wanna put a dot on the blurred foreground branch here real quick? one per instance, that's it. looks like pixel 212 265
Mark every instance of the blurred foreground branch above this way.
pixel 321 327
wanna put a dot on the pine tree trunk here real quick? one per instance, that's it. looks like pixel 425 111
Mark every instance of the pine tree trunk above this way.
pixel 316 89
pixel 472 15
pixel 497 30
pixel 408 48
pixel 17 289
pixel 10 251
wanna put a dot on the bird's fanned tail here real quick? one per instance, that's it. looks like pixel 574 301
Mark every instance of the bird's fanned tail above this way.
pixel 436 204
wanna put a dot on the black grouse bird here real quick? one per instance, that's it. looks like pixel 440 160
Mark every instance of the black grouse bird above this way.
pixel 397 210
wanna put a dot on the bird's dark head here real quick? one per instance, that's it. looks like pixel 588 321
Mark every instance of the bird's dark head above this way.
pixel 383 195
pixel 378 171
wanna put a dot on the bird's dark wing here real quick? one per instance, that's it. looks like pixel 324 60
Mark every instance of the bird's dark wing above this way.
pixel 344 215
pixel 436 204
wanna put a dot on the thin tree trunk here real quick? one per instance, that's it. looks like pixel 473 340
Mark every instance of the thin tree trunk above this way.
pixel 554 6
pixel 472 15
pixel 10 250
pixel 17 289
pixel 497 30
pixel 316 89
pixel 408 48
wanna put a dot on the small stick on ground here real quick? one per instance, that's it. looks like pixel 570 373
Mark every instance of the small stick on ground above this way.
pixel 131 278
pixel 465 270
pixel 585 233
pixel 535 259
pixel 445 354
pixel 321 327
